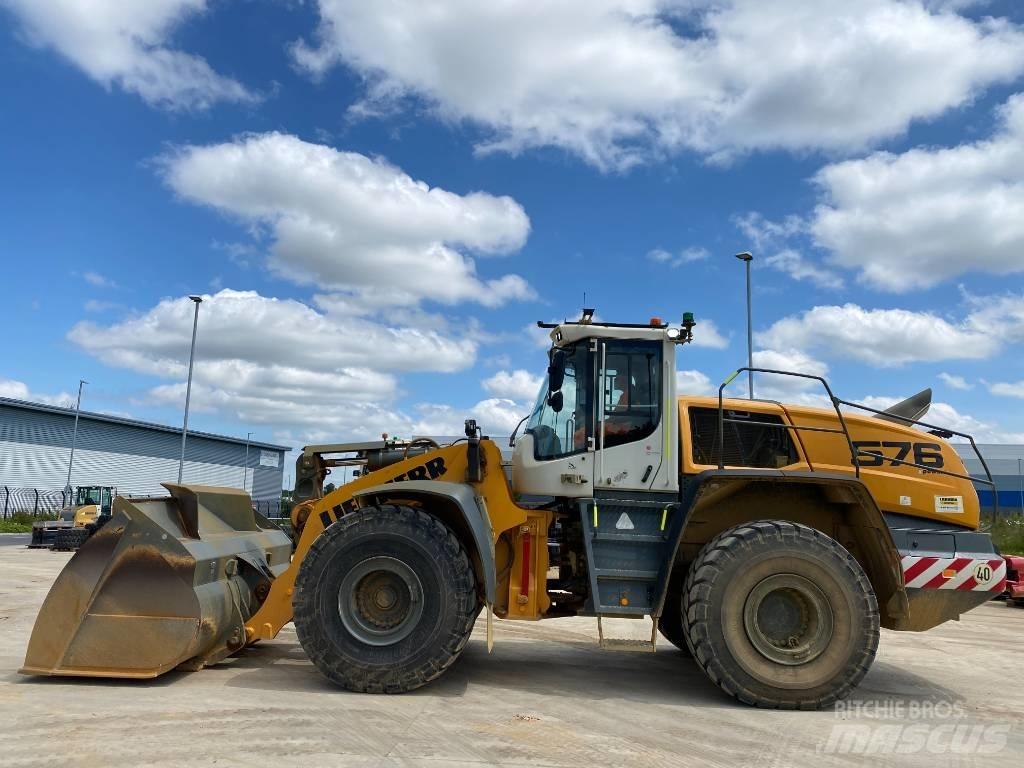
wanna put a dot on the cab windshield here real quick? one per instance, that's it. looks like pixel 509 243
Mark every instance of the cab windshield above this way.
pixel 93 494
pixel 87 495
pixel 565 432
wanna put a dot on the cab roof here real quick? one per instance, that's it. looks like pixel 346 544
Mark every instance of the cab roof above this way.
pixel 571 332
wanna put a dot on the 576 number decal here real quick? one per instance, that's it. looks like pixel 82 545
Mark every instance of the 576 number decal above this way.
pixel 871 453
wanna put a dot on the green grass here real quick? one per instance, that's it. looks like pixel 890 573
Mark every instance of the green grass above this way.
pixel 1008 535
pixel 21 522
pixel 10 526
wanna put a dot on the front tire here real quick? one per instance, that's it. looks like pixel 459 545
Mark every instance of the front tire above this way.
pixel 70 539
pixel 385 600
pixel 781 616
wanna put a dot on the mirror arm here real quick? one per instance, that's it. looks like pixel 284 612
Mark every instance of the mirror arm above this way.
pixel 512 437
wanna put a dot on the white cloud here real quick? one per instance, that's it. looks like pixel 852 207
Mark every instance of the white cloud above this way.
pixel 706 334
pixel 685 256
pixel 693 382
pixel 956 382
pixel 357 225
pixel 999 316
pixel 880 337
pixel 765 233
pixel 617 81
pixel 772 386
pixel 914 219
pixel 306 372
pixel 793 263
pixel 515 385
pixel 947 416
pixel 538 337
pixel 1008 389
pixel 498 416
pixel 789 360
pixel 93 305
pixel 97 280
pixel 19 390
pixel 125 43
pixel 245 326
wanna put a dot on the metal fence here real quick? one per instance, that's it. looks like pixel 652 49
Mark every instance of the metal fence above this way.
pixel 42 502
pixel 276 512
pixel 36 502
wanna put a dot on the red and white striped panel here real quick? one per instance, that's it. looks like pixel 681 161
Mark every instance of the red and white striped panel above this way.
pixel 967 573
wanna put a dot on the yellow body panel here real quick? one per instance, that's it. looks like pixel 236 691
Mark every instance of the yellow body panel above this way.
pixel 86 514
pixel 502 511
pixel 527 598
pixel 897 488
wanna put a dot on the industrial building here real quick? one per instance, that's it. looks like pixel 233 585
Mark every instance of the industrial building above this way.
pixel 1006 463
pixel 135 456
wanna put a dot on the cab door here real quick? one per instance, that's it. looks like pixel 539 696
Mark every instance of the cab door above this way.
pixel 634 432
pixel 555 455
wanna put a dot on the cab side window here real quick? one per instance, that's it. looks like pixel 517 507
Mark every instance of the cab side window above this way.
pixel 746 445
pixel 631 391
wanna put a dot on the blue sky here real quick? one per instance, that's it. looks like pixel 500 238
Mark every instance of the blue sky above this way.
pixel 379 200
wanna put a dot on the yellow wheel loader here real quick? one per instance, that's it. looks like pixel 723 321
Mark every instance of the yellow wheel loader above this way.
pixel 771 542
pixel 76 522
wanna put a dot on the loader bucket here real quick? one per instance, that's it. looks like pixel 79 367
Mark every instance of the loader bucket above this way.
pixel 167 582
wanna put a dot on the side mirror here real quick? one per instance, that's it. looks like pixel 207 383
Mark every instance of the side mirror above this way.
pixel 556 401
pixel 556 371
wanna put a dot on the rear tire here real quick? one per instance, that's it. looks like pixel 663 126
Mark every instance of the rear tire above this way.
pixel 781 616
pixel 385 600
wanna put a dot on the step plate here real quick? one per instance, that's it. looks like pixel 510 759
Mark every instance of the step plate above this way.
pixel 635 646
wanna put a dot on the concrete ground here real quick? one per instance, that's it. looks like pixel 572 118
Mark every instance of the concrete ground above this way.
pixel 546 697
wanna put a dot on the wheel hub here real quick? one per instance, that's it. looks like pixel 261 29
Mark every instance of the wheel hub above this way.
pixel 380 601
pixel 788 619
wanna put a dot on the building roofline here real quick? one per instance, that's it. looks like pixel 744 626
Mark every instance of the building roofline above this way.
pixel 44 408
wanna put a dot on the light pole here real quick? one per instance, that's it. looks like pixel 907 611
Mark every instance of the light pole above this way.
pixel 188 387
pixel 74 432
pixel 1020 480
pixel 748 257
pixel 245 467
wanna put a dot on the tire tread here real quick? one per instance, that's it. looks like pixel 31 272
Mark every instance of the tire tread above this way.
pixel 708 568
pixel 363 679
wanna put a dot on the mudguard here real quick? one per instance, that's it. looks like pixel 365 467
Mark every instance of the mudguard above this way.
pixel 455 496
pixel 882 561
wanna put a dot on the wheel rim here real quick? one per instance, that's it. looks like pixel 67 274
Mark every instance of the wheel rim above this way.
pixel 788 619
pixel 380 601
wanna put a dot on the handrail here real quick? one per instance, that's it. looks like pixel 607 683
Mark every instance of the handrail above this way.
pixel 855 451
pixel 835 404
pixel 970 438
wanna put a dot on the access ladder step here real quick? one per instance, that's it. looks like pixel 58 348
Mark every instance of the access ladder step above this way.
pixel 625 575
pixel 634 646
pixel 638 538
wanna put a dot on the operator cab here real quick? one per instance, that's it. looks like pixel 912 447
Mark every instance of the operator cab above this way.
pixel 94 494
pixel 87 496
pixel 604 417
